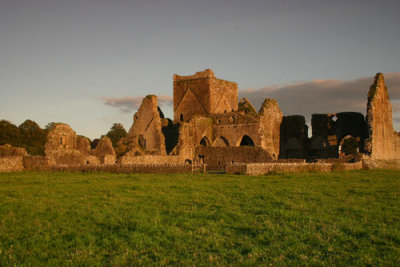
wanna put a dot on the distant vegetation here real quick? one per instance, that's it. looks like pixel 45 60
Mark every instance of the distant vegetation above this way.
pixel 32 137
pixel 116 132
pixel 28 135
pixel 91 219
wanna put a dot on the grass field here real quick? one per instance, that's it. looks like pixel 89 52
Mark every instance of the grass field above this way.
pixel 338 218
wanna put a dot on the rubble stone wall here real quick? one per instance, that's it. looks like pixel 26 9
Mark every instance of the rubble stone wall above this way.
pixel 129 168
pixel 203 94
pixel 217 157
pixel 294 135
pixel 383 140
pixel 265 168
pixel 146 130
pixel 11 163
pixel 152 159
pixel 36 163
pixel 270 127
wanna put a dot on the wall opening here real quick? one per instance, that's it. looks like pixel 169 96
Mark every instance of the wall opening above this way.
pixel 246 141
pixel 349 145
pixel 201 159
pixel 142 141
pixel 181 117
pixel 204 141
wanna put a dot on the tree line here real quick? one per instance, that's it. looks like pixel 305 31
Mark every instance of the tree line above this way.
pixel 32 137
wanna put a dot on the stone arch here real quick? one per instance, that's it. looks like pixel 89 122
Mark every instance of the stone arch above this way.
pixel 246 141
pixel 221 141
pixel 205 142
pixel 349 145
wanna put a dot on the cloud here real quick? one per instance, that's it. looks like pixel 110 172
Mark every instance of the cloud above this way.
pixel 325 96
pixel 129 104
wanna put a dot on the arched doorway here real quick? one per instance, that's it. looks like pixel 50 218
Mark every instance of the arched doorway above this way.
pixel 246 141
pixel 221 141
pixel 205 142
pixel 349 145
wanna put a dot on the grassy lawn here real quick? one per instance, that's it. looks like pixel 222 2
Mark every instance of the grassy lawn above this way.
pixel 338 218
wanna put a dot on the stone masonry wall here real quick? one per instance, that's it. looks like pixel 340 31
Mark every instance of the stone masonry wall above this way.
pixel 294 136
pixel 217 157
pixel 130 168
pixel 383 140
pixel 36 163
pixel 11 163
pixel 270 127
pixel 146 130
pixel 203 94
pixel 265 168
pixel 151 159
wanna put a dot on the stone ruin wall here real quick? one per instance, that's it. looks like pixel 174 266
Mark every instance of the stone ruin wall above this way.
pixel 151 160
pixel 270 127
pixel 191 95
pixel 216 158
pixel 232 127
pixel 330 130
pixel 223 96
pixel 383 142
pixel 11 158
pixel 202 94
pixel 277 167
pixel 215 139
pixel 293 137
pixel 146 131
pixel 64 147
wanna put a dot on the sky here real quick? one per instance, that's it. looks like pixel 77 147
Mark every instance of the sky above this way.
pixel 88 63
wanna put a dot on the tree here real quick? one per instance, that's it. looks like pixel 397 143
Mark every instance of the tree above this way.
pixel 116 133
pixel 350 146
pixel 34 137
pixel 10 134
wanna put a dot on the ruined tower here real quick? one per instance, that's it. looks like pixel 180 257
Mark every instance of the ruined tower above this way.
pixel 203 94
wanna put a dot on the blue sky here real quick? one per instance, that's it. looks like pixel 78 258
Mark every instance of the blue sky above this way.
pixel 77 61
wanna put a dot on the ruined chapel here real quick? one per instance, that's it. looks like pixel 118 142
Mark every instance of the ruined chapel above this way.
pixel 212 127
pixel 213 130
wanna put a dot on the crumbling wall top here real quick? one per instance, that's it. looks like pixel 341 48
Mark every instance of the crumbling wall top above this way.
pixel 104 147
pixel 207 73
pixel 268 105
pixel 378 88
pixel 8 150
pixel 247 108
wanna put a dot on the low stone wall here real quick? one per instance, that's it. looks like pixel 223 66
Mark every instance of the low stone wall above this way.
pixel 381 164
pixel 151 159
pixel 11 164
pixel 131 168
pixel 217 157
pixel 265 168
pixel 36 163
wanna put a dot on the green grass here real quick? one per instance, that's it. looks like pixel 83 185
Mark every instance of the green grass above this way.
pixel 338 218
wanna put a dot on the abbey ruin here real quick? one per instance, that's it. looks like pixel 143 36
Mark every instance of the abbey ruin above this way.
pixel 213 130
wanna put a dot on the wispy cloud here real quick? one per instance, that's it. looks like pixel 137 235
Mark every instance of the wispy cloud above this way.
pixel 325 96
pixel 129 104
